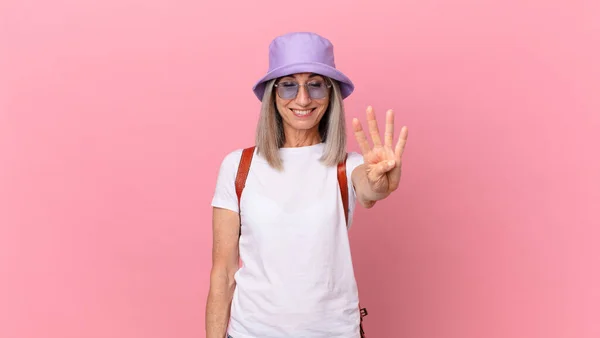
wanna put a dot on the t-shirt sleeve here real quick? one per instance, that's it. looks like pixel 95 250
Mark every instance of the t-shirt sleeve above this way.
pixel 354 160
pixel 225 195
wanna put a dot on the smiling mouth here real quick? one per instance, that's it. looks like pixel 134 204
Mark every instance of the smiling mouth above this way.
pixel 303 112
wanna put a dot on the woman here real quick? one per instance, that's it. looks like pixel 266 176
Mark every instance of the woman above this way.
pixel 290 226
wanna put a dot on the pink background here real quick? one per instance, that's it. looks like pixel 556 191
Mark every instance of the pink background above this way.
pixel 114 117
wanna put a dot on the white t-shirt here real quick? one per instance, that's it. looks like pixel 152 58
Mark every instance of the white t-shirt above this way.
pixel 297 278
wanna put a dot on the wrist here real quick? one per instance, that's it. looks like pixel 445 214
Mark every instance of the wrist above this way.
pixel 371 194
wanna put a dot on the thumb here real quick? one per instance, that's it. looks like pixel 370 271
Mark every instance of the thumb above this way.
pixel 381 168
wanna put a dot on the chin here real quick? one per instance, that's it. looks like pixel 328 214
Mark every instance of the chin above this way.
pixel 304 125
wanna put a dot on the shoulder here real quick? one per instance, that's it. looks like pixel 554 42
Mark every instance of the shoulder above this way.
pixel 232 158
pixel 225 195
pixel 354 160
pixel 354 156
pixel 230 162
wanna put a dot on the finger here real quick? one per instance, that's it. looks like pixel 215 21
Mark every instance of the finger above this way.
pixel 401 143
pixel 389 129
pixel 372 121
pixel 361 138
pixel 382 168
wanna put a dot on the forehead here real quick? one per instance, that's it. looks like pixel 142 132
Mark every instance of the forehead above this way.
pixel 302 76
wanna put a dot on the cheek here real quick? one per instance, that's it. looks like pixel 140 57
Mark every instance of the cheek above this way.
pixel 281 105
pixel 323 107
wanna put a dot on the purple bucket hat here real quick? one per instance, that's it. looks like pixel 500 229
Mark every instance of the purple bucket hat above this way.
pixel 302 52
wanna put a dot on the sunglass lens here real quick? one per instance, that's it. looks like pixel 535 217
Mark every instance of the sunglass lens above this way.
pixel 317 90
pixel 288 91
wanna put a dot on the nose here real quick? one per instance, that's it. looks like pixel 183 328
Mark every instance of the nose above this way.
pixel 303 98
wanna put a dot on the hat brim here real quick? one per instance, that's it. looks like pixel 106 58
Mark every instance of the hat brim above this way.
pixel 346 86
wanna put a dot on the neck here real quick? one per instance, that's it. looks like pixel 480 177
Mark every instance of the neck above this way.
pixel 301 138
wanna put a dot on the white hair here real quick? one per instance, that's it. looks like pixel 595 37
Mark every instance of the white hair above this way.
pixel 332 128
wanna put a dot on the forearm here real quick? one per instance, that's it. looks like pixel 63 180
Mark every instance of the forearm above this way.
pixel 218 304
pixel 364 194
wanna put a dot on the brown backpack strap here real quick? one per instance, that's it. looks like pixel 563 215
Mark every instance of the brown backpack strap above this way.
pixel 343 183
pixel 242 173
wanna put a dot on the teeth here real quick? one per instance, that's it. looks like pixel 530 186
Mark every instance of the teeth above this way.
pixel 302 112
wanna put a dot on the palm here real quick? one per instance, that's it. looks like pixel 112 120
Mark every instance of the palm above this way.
pixel 383 175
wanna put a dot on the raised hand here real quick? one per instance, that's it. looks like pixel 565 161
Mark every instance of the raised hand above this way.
pixel 383 162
